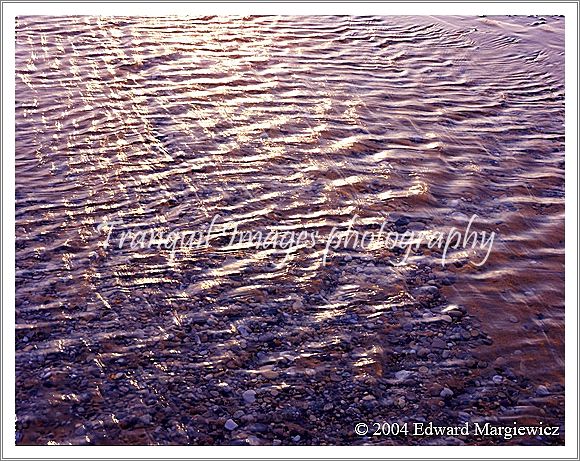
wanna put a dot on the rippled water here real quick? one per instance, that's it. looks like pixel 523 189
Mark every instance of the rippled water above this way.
pixel 297 122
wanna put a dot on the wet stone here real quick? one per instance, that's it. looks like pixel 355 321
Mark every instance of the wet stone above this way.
pixel 542 391
pixel 270 374
pixel 230 425
pixel 422 352
pixel 446 393
pixel 438 343
pixel 403 374
pixel 249 396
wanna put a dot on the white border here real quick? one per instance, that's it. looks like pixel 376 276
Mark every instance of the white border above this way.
pixel 10 10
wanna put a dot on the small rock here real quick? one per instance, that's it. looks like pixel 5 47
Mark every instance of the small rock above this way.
pixel 249 396
pixel 542 391
pixel 402 222
pixel 253 440
pixel 335 377
pixel 297 305
pixel 497 379
pixel 446 393
pixel 248 419
pixel 244 331
pixel 426 294
pixel 513 319
pixel 258 427
pixel 403 374
pixel 270 374
pixel 435 389
pixel 500 361
pixel 456 314
pixel 438 343
pixel 230 425
pixel 266 337
pixel 140 334
pixel 422 352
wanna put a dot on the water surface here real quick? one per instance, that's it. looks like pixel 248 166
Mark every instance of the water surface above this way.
pixel 296 122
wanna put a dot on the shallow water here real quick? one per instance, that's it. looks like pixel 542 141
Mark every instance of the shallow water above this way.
pixel 296 122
